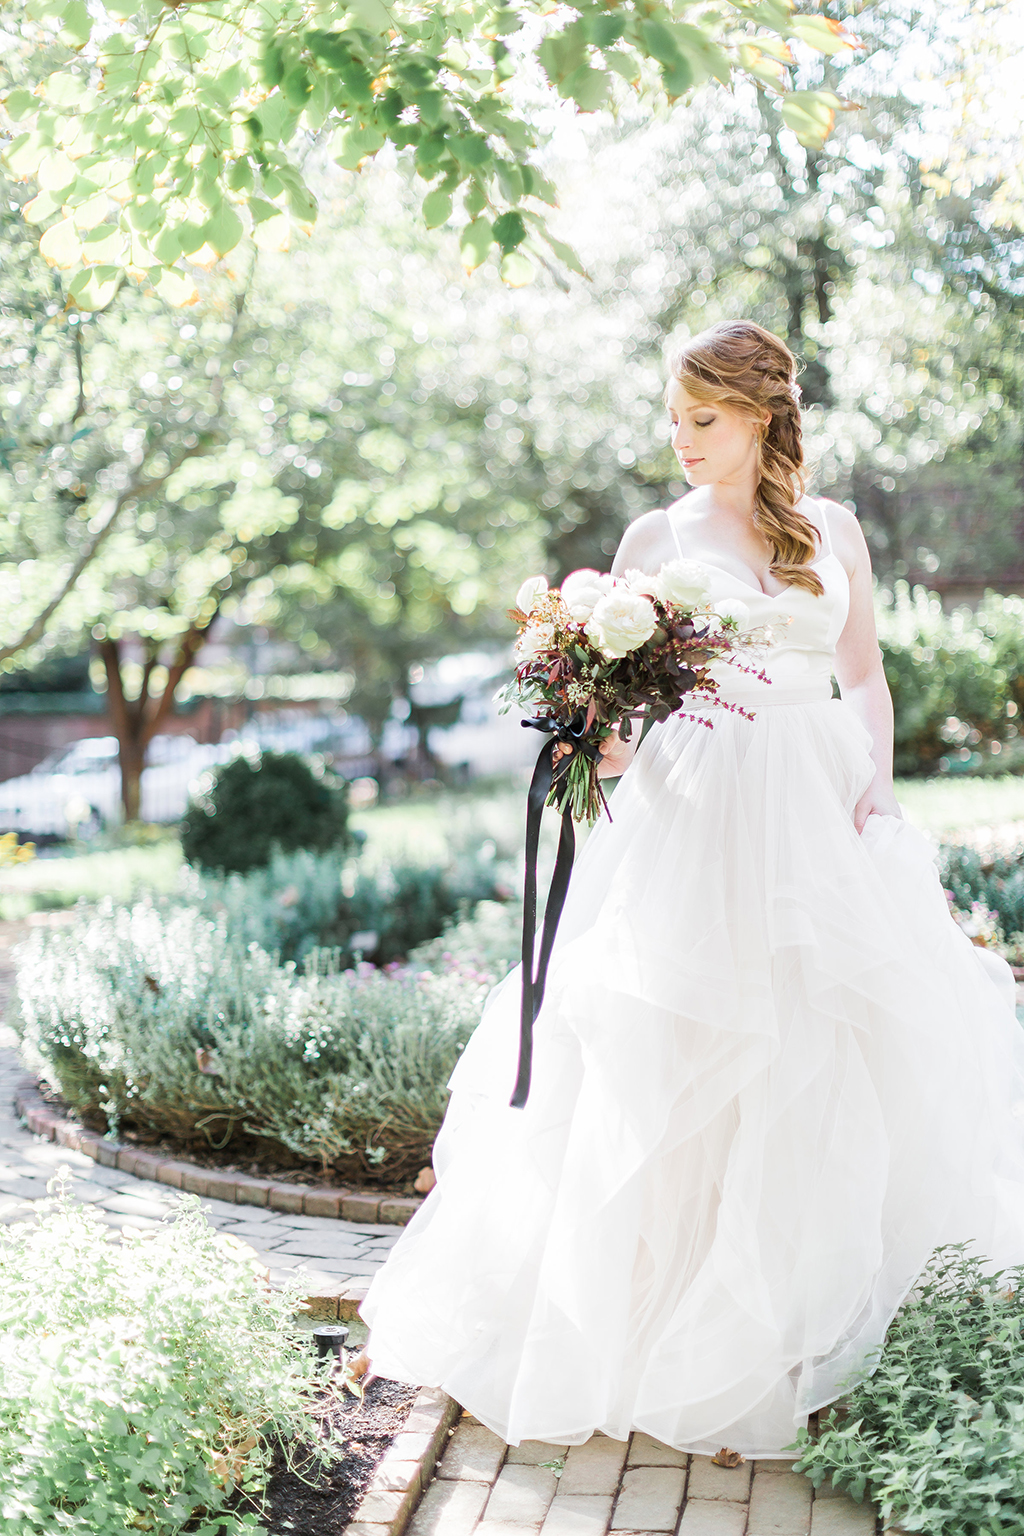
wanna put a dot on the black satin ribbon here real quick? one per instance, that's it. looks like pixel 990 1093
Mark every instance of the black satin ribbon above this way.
pixel 546 775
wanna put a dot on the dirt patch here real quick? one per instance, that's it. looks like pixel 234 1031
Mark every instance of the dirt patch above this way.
pixel 307 1499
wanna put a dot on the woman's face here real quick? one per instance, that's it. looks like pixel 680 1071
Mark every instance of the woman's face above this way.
pixel 711 442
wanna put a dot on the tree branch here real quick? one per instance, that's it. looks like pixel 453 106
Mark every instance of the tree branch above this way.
pixel 191 643
pixel 135 489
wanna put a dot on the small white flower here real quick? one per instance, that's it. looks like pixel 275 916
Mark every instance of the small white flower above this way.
pixel 582 590
pixel 622 621
pixel 733 612
pixel 682 581
pixel 534 639
pixel 531 592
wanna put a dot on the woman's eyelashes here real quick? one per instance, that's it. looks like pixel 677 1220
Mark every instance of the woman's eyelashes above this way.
pixel 704 423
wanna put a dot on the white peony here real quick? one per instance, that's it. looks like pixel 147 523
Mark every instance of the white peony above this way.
pixel 682 581
pixel 534 639
pixel 583 590
pixel 531 592
pixel 733 612
pixel 622 621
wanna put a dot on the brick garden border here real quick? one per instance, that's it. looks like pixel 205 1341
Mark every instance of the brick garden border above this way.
pixel 401 1477
pixel 215 1184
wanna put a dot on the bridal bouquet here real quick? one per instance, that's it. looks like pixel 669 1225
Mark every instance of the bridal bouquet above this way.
pixel 602 651
pixel 592 656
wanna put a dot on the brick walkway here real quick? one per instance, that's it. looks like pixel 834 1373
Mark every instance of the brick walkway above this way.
pixel 322 1251
pixel 639 1488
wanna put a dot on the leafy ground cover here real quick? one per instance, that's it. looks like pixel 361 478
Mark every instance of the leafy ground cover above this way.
pixel 936 1435
pixel 144 1381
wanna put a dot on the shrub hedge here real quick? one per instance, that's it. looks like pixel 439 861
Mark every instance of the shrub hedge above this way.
pixel 260 801
pixel 957 680
pixel 159 1020
pixel 303 901
pixel 141 1381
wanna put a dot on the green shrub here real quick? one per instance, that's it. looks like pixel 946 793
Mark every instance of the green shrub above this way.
pixel 141 1381
pixel 258 802
pixel 936 1435
pixel 951 676
pixel 158 1020
pixel 486 945
pixel 302 901
pixel 994 881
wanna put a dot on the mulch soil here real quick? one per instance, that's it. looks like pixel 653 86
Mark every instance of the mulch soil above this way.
pixel 310 1499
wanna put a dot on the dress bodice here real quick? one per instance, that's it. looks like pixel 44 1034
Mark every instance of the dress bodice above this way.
pixel 805 631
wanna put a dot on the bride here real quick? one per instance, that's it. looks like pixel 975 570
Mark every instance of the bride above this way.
pixel 770 1073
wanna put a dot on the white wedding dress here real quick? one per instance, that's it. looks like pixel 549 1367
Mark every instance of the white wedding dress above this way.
pixel 770 1076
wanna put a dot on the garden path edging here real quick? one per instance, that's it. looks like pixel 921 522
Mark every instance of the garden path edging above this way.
pixel 339 1302
pixel 401 1477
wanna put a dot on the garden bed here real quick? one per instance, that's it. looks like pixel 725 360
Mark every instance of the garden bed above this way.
pixel 304 1498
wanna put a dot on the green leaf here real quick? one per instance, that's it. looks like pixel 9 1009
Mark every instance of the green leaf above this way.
pixel 351 146
pixel 223 232
pixel 604 29
pixel 509 230
pixel 811 115
pixel 821 33
pixel 587 87
pixel 167 245
pixel 437 208
pixel 60 246
pixel 18 104
pixel 563 52
pixel 517 270
pixel 75 23
pixel 659 43
pixel 42 207
pixel 624 64
pixel 55 172
pixel 175 287
pixel 372 15
pixel 297 86
pixel 94 288
pixel 64 89
pixel 477 239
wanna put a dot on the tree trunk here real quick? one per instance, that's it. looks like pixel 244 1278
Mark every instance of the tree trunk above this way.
pixel 136 721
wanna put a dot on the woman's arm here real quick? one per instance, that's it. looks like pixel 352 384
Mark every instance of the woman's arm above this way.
pixel 859 669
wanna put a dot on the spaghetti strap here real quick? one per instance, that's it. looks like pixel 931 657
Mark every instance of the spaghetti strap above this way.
pixel 675 535
pixel 823 528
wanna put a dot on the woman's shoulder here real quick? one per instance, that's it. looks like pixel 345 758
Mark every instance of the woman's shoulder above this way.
pixel 839 522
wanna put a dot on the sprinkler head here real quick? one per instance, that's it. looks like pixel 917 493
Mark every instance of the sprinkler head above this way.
pixel 330 1338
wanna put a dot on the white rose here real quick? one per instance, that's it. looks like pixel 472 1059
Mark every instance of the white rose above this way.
pixel 622 621
pixel 583 590
pixel 639 581
pixel 682 581
pixel 733 612
pixel 534 639
pixel 530 593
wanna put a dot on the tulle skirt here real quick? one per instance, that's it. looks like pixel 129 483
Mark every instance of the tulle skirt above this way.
pixel 770 1076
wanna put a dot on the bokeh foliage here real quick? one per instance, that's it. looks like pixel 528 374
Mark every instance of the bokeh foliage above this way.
pixel 173 130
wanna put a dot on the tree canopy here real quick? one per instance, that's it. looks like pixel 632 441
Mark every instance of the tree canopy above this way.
pixel 157 130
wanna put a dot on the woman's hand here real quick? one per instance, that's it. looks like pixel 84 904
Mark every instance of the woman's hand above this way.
pixel 879 799
pixel 616 754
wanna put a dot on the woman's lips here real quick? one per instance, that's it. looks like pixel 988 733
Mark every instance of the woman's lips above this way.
pixel 689 463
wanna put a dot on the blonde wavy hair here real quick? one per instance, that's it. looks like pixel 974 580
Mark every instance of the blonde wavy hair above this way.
pixel 742 366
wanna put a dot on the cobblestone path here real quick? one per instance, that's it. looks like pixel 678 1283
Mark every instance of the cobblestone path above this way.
pixel 639 1488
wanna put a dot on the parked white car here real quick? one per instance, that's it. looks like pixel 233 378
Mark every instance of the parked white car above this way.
pixel 80 785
